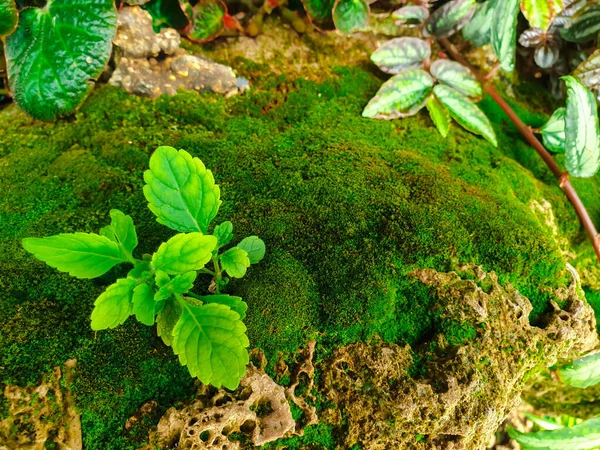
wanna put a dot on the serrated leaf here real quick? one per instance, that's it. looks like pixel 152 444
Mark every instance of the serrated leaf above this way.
pixel 235 261
pixel 584 26
pixel 439 114
pixel 553 132
pixel 82 255
pixel 411 12
pixel 504 32
pixel 540 13
pixel 456 76
pixel 584 436
pixel 581 130
pixel 181 192
pixel 56 52
pixel 465 112
pixel 401 53
pixel 478 29
pixel 350 15
pixel 207 20
pixel 320 11
pixel 166 14
pixel 546 55
pixel 121 230
pixel 143 304
pixel 401 96
pixel 450 18
pixel 161 278
pixel 9 16
pixel 589 71
pixel 235 303
pixel 583 372
pixel 211 341
pixel 140 270
pixel 178 285
pixel 167 319
pixel 223 233
pixel 255 247
pixel 113 307
pixel 183 253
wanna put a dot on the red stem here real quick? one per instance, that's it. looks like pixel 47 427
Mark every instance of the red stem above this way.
pixel 562 177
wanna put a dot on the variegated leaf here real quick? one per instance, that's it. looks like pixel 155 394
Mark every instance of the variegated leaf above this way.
pixel 350 15
pixel 584 436
pixel 504 32
pixel 456 76
pixel 411 12
pixel 532 37
pixel 478 29
pixel 540 13
pixel 581 130
pixel 450 18
pixel 439 115
pixel 553 132
pixel 584 26
pixel 546 55
pixel 401 96
pixel 589 72
pixel 465 112
pixel 583 372
pixel 401 53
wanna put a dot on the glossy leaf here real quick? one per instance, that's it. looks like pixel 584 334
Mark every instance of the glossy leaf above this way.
pixel 533 37
pixel 350 15
pixel 456 76
pixel 401 53
pixel 439 114
pixel 181 192
pixel 113 307
pixel 82 255
pixel 450 18
pixel 143 304
pixel 504 32
pixel 255 247
pixel 411 12
pixel 584 436
pixel 553 132
pixel 207 20
pixel 56 52
pixel 121 230
pixel 183 253
pixel 583 372
pixel 235 303
pixel 479 28
pixel 401 96
pixel 547 55
pixel 543 423
pixel 211 341
pixel 166 14
pixel 9 16
pixel 223 233
pixel 581 130
pixel 465 112
pixel 319 11
pixel 584 26
pixel 167 319
pixel 589 71
pixel 235 261
pixel 540 13
pixel 178 285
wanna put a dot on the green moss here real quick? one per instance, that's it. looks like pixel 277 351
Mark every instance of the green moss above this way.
pixel 347 208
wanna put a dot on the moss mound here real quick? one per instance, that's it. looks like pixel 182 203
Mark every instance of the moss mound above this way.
pixel 347 208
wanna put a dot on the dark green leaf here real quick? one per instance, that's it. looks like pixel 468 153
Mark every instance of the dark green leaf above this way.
pixel 584 436
pixel 479 28
pixel 350 15
pixel 113 307
pixel 401 53
pixel 255 248
pixel 9 16
pixel 319 11
pixel 553 132
pixel 584 26
pixel 450 18
pixel 439 114
pixel 166 14
pixel 583 372
pixel 504 32
pixel 207 20
pixel 56 51
pixel 456 76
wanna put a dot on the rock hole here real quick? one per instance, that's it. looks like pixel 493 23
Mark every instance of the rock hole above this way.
pixel 204 436
pixel 248 427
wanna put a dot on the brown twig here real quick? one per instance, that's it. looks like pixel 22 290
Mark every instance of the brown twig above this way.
pixel 562 177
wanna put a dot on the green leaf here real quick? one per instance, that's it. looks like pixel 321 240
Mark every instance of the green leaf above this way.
pixel 465 112
pixel 56 52
pixel 547 55
pixel 161 278
pixel 235 262
pixel 540 13
pixel 183 253
pixel 553 132
pixel 211 341
pixel 479 28
pixel 144 306
pixel 439 114
pixel 178 285
pixel 583 372
pixel 255 247
pixel 141 270
pixel 207 20
pixel 411 12
pixel 113 307
pixel 235 303
pixel 319 11
pixel 121 230
pixel 9 16
pixel 181 192
pixel 82 255
pixel 350 15
pixel 504 32
pixel 167 319
pixel 584 26
pixel 401 96
pixel 223 233
pixel 581 130
pixel 584 436
pixel 545 424
pixel 589 71
pixel 401 53
pixel 166 14
pixel 456 76
pixel 450 18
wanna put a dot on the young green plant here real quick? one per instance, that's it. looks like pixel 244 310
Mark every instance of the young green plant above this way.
pixel 206 331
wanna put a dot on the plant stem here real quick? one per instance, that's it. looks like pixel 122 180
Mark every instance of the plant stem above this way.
pixel 191 294
pixel 562 177
pixel 208 271
pixel 218 273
